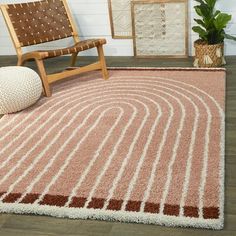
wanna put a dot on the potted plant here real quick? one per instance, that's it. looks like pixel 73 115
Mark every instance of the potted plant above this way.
pixel 209 48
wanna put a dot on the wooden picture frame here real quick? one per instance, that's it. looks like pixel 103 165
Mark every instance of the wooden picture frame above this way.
pixel 115 31
pixel 138 41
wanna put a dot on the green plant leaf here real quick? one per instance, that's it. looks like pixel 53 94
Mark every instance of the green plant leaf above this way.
pixel 216 14
pixel 198 10
pixel 204 11
pixel 200 22
pixel 211 3
pixel 227 36
pixel 202 33
pixel 222 20
pixel 200 1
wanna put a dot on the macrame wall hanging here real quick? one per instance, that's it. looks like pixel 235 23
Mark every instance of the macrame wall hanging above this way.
pixel 160 28
pixel 120 19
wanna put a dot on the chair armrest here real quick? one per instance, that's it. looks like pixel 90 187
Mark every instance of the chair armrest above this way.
pixel 34 55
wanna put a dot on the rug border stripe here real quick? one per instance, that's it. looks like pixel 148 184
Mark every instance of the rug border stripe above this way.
pixel 110 215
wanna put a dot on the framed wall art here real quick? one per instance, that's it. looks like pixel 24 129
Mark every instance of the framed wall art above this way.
pixel 120 19
pixel 160 28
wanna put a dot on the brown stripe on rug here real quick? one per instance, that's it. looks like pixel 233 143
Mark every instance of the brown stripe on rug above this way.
pixel 146 146
pixel 114 204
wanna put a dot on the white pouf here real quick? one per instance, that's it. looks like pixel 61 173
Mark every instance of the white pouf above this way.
pixel 20 87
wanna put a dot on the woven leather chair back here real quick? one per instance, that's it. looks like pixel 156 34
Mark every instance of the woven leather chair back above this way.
pixel 40 22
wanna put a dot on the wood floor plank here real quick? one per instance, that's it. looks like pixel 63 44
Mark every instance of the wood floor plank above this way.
pixel 146 230
pixel 56 225
pixel 3 218
pixel 230 207
pixel 42 225
pixel 230 159
pixel 17 232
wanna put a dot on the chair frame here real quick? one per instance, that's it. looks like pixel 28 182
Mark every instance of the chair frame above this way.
pixel 47 79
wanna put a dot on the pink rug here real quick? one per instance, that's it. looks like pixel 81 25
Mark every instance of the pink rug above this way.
pixel 146 146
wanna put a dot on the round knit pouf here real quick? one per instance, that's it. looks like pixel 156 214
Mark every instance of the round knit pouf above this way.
pixel 20 87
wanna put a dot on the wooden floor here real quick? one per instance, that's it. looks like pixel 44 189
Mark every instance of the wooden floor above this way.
pixel 19 225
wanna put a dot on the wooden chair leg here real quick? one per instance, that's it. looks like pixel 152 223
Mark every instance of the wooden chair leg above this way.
pixel 73 58
pixel 20 62
pixel 103 62
pixel 43 76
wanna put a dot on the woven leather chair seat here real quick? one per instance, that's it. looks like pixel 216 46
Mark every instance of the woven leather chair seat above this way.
pixel 78 47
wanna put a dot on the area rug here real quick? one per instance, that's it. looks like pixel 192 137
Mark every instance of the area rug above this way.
pixel 145 146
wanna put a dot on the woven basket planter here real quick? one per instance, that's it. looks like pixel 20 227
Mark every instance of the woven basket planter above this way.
pixel 208 55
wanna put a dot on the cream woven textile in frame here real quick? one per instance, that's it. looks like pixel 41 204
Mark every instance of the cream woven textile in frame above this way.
pixel 120 19
pixel 160 28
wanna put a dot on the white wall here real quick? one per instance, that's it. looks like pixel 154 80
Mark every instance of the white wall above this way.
pixel 93 21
